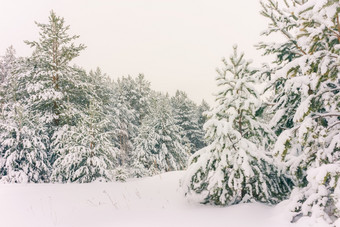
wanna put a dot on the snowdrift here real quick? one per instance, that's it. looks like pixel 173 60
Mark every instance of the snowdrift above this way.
pixel 155 201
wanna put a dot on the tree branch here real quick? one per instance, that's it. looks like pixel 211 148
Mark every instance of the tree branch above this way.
pixel 336 123
pixel 233 144
pixel 327 115
pixel 337 21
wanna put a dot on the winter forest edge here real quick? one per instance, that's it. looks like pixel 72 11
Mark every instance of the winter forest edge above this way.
pixel 59 123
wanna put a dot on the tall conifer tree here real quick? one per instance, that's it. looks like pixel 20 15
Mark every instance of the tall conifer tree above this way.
pixel 307 65
pixel 22 150
pixel 234 167
pixel 52 83
pixel 159 145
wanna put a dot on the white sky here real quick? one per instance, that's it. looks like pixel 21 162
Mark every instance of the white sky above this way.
pixel 177 44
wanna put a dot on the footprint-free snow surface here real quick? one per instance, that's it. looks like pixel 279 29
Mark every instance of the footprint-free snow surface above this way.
pixel 156 201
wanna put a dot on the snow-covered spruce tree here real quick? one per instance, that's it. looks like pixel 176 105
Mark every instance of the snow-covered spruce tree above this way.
pixel 185 113
pixel 159 146
pixel 234 167
pixel 51 82
pixel 87 153
pixel 310 149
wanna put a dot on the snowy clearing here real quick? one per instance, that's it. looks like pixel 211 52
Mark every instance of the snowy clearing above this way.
pixel 155 201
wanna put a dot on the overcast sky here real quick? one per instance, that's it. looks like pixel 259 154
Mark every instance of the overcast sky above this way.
pixel 177 44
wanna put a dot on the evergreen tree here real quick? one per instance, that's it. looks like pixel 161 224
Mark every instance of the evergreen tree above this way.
pixel 137 94
pixel 234 167
pixel 140 101
pixel 126 129
pixel 24 158
pixel 87 150
pixel 118 117
pixel 103 90
pixel 87 153
pixel 286 100
pixel 52 84
pixel 185 113
pixel 159 146
pixel 22 151
pixel 202 119
pixel 7 64
pixel 309 149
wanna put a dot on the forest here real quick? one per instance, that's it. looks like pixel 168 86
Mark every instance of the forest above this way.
pixel 62 124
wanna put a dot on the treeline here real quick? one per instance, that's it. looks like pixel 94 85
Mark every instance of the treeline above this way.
pixel 59 123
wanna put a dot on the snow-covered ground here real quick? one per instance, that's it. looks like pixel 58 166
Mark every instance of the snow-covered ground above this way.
pixel 156 201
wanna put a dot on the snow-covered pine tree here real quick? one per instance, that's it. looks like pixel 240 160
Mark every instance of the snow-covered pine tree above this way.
pixel 22 151
pixel 202 119
pixel 310 149
pixel 7 64
pixel 185 113
pixel 141 100
pixel 234 167
pixel 137 93
pixel 51 82
pixel 159 146
pixel 87 153
pixel 117 114
pixel 126 119
pixel 286 101
pixel 91 141
pixel 102 88
pixel 23 158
